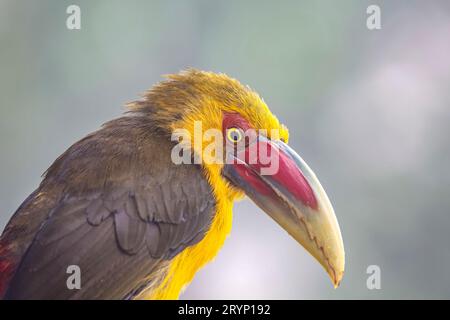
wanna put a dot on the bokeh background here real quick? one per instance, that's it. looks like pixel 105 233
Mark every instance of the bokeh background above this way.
pixel 368 110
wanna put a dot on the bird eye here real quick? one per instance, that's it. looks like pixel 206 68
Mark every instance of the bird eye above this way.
pixel 234 135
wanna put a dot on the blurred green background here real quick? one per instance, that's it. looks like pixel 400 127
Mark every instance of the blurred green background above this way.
pixel 368 110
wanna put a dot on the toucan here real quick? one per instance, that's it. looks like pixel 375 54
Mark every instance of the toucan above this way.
pixel 138 225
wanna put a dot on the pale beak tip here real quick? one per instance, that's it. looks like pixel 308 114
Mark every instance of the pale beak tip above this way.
pixel 335 276
pixel 337 281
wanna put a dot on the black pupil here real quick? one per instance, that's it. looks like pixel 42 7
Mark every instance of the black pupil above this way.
pixel 235 136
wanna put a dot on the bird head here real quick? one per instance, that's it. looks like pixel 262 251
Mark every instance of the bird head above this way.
pixel 249 156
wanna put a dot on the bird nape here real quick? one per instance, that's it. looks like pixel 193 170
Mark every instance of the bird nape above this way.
pixel 138 225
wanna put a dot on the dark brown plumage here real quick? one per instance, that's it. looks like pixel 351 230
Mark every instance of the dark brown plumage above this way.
pixel 117 185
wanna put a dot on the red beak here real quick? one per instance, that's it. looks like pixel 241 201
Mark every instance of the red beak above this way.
pixel 280 183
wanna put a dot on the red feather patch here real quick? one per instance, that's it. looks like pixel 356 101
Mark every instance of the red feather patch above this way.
pixel 7 267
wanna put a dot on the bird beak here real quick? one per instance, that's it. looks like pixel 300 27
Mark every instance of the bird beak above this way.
pixel 289 192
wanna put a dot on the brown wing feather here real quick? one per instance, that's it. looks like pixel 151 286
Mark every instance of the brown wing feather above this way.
pixel 122 210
